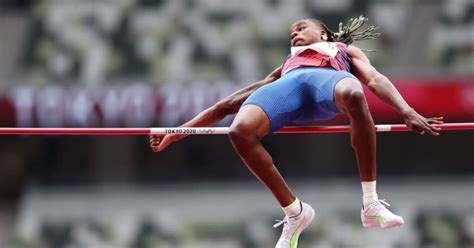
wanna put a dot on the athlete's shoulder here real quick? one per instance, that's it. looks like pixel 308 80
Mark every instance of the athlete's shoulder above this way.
pixel 355 52
pixel 353 48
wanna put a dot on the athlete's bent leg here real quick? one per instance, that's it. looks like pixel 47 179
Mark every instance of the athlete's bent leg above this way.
pixel 350 99
pixel 250 125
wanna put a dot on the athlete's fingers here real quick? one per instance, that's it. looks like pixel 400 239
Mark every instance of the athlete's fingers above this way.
pixel 155 142
pixel 435 120
pixel 431 129
pixel 421 131
pixel 154 148
pixel 164 143
pixel 433 132
pixel 426 127
pixel 418 128
pixel 154 139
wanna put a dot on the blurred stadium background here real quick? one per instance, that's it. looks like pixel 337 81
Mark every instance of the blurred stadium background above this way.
pixel 133 63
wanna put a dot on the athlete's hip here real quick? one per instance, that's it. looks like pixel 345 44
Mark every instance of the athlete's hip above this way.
pixel 314 76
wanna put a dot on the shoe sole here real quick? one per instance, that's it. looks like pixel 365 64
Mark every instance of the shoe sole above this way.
pixel 389 224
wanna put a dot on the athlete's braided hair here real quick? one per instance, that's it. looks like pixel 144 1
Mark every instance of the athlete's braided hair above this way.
pixel 347 34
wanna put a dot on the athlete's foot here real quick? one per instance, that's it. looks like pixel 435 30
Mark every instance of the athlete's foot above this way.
pixel 293 226
pixel 375 214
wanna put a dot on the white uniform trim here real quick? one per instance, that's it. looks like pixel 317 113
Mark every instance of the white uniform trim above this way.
pixel 327 48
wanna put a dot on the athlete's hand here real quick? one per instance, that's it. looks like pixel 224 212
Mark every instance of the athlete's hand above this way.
pixel 159 142
pixel 423 125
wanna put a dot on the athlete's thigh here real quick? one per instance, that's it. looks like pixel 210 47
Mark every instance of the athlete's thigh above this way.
pixel 281 101
pixel 252 118
pixel 344 88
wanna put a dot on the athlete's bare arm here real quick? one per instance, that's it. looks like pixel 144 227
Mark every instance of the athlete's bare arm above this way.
pixel 381 86
pixel 227 106
pixel 230 104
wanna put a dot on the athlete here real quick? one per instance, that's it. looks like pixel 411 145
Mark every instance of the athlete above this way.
pixel 321 78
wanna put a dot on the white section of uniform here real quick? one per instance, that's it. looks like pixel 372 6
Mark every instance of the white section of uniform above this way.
pixel 328 48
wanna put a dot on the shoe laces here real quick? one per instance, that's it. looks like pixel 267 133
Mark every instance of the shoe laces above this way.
pixel 287 224
pixel 384 202
pixel 287 227
pixel 280 222
pixel 378 203
pixel 286 220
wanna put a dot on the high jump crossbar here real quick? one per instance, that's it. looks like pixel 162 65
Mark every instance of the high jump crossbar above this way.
pixel 212 130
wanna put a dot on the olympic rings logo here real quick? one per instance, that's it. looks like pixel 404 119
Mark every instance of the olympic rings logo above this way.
pixel 206 130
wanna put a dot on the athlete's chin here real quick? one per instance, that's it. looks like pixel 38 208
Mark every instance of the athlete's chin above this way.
pixel 300 43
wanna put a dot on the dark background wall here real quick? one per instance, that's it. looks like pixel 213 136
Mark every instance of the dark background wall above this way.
pixel 76 160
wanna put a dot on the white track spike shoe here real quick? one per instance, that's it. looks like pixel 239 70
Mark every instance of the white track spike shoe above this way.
pixel 293 226
pixel 377 215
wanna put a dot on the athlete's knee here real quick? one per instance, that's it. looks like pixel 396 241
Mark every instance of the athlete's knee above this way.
pixel 354 101
pixel 242 131
pixel 354 97
pixel 250 125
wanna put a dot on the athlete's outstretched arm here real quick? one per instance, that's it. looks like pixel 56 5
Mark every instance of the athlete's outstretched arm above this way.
pixel 381 86
pixel 230 104
pixel 227 106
